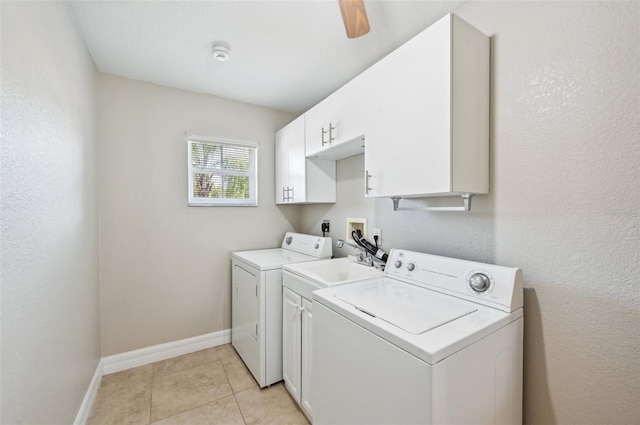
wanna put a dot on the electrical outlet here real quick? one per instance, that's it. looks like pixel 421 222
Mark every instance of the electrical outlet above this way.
pixel 377 236
pixel 325 226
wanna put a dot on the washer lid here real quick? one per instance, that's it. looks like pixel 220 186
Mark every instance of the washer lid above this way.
pixel 411 308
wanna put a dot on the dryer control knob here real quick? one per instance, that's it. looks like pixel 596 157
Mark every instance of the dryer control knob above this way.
pixel 398 264
pixel 479 282
pixel 316 246
pixel 288 240
pixel 411 266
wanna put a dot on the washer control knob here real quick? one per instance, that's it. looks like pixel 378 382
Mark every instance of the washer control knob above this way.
pixel 411 266
pixel 288 240
pixel 316 246
pixel 479 282
pixel 398 264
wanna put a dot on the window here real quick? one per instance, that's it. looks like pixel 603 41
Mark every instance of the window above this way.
pixel 222 173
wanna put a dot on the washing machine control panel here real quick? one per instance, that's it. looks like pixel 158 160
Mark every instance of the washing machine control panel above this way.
pixel 488 284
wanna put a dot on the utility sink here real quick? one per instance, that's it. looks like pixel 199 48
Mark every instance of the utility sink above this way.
pixel 304 278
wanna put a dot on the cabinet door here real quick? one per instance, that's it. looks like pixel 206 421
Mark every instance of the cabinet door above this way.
pixel 298 164
pixel 336 119
pixel 290 163
pixel 291 350
pixel 408 144
pixel 282 165
pixel 307 357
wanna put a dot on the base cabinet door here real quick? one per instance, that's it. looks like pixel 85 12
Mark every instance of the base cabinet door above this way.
pixel 296 348
pixel 291 342
pixel 306 357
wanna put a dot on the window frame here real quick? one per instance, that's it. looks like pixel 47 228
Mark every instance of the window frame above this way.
pixel 252 201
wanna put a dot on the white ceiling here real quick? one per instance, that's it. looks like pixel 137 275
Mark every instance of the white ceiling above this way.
pixel 287 55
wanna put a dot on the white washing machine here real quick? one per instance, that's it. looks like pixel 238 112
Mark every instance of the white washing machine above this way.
pixel 256 301
pixel 436 340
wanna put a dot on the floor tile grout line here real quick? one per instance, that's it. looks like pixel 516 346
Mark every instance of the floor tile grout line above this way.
pixel 234 394
pixel 239 409
pixel 195 407
pixel 155 375
pixel 150 397
pixel 219 359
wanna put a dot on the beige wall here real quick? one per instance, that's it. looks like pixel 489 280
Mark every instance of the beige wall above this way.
pixel 564 204
pixel 165 266
pixel 49 254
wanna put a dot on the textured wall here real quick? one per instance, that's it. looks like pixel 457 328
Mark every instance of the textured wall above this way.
pixel 165 266
pixel 49 253
pixel 565 149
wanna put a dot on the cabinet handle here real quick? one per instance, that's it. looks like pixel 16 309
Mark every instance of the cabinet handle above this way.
pixel 292 194
pixel 285 194
pixel 237 292
pixel 366 182
pixel 331 138
pixel 323 133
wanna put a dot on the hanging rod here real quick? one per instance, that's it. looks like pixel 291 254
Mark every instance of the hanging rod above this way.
pixel 466 198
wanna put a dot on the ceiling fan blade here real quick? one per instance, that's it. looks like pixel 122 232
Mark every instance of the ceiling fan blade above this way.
pixel 354 16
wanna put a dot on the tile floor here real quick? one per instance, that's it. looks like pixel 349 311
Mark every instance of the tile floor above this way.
pixel 206 387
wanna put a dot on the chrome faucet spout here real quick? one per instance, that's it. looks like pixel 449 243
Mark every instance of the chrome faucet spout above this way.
pixel 341 243
pixel 363 256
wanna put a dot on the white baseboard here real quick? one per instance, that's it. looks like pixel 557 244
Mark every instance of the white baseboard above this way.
pixel 155 353
pixel 87 403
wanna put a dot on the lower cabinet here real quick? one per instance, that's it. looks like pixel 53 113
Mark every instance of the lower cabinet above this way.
pixel 297 316
pixel 306 359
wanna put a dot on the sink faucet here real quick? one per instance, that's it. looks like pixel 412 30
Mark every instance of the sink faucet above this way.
pixel 364 257
pixel 341 243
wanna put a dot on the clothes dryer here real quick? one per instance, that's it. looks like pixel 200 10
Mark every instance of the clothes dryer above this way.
pixel 256 301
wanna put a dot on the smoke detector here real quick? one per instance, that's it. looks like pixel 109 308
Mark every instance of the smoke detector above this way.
pixel 221 51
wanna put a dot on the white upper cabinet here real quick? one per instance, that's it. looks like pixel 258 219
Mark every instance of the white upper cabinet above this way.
pixel 335 126
pixel 299 179
pixel 428 108
pixel 424 114
pixel 289 168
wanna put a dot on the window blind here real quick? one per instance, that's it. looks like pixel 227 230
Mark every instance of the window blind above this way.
pixel 222 173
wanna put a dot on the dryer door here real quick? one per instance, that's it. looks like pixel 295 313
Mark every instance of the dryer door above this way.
pixel 245 302
pixel 244 315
